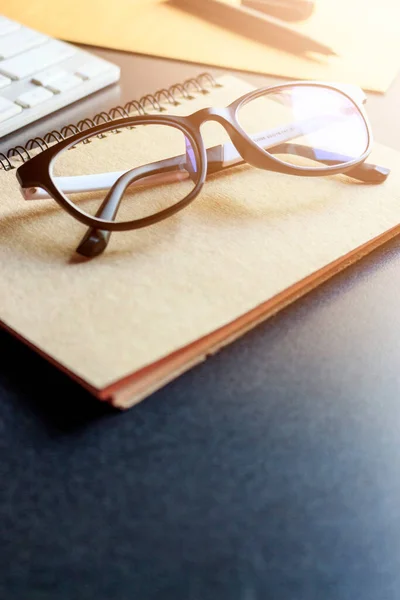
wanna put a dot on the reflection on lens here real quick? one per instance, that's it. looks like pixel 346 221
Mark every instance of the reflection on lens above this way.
pixel 151 167
pixel 307 126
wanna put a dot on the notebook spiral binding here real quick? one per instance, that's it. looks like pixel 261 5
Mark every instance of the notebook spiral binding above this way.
pixel 157 101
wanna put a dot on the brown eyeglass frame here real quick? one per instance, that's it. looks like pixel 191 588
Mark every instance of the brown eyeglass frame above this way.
pixel 36 173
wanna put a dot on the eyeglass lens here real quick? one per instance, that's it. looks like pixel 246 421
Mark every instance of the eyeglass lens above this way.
pixel 306 126
pixel 86 175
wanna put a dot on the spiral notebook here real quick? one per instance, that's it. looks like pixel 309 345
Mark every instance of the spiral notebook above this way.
pixel 166 297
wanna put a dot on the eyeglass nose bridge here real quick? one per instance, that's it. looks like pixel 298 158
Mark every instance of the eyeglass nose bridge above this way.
pixel 226 117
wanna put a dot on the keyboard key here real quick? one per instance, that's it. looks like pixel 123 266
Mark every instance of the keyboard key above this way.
pixel 91 69
pixel 7 26
pixel 62 84
pixel 49 75
pixel 20 41
pixel 4 81
pixel 8 109
pixel 33 97
pixel 37 75
pixel 25 65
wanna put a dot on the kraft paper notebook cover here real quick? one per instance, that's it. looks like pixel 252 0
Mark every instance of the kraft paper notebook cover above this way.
pixel 163 298
pixel 364 34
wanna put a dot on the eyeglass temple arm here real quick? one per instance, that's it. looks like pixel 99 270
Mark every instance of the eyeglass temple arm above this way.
pixel 95 240
pixel 365 172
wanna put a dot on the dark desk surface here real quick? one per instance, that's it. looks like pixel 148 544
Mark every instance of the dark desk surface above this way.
pixel 270 472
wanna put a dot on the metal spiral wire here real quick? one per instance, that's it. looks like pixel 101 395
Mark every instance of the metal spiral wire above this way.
pixel 155 102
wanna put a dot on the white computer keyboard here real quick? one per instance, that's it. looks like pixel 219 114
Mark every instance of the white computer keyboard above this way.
pixel 39 75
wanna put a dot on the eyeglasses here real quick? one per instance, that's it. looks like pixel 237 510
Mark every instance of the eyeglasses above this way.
pixel 157 164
